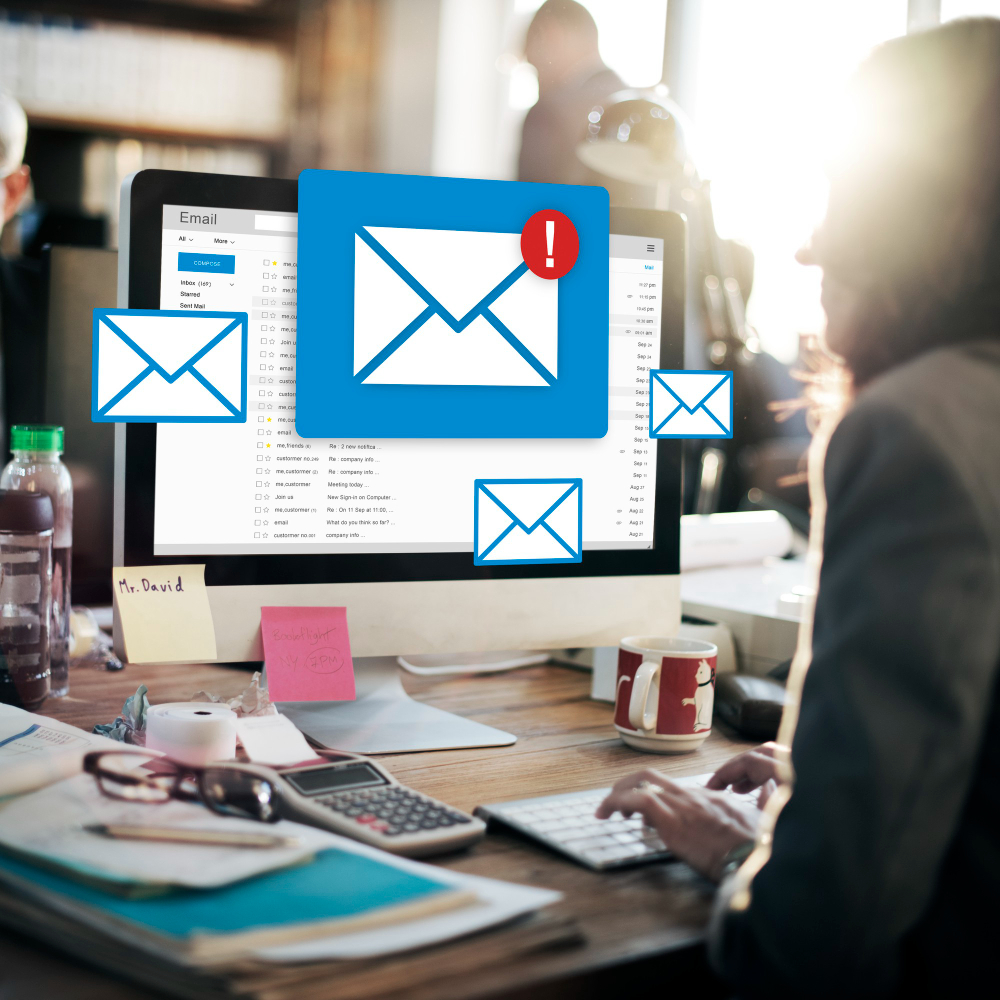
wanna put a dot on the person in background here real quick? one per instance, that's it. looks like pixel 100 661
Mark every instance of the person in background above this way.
pixel 876 870
pixel 562 46
pixel 21 312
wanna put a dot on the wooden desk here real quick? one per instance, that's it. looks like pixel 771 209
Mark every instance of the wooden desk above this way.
pixel 565 743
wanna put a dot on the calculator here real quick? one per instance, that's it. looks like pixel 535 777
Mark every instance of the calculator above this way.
pixel 357 798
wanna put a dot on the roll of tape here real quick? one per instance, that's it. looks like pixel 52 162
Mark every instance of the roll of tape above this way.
pixel 192 732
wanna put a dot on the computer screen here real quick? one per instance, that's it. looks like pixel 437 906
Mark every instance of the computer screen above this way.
pixel 263 490
pixel 385 527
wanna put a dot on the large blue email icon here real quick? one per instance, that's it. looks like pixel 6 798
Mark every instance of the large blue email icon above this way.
pixel 690 404
pixel 169 366
pixel 518 521
pixel 417 316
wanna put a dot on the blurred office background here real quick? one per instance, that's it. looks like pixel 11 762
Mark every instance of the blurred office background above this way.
pixel 269 87
pixel 433 86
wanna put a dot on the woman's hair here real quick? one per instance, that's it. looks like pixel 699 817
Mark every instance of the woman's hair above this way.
pixel 913 222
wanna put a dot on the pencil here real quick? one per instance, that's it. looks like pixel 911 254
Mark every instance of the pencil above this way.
pixel 178 835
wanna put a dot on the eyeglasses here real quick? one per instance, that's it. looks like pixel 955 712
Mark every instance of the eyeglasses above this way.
pixel 228 789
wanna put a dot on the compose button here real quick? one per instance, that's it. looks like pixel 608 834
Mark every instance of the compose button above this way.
pixel 224 263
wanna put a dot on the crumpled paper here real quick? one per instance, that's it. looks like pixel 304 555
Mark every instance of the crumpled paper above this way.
pixel 130 726
pixel 253 701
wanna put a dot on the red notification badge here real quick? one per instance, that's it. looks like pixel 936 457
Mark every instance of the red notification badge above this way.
pixel 549 244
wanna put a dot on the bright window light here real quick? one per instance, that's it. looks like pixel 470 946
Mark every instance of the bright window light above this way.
pixel 769 77
pixel 950 9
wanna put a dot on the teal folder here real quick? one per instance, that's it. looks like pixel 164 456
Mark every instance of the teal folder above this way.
pixel 339 886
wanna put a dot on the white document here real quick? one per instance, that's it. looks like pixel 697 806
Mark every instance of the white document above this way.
pixel 273 739
pixel 36 751
pixel 731 539
pixel 49 824
pixel 447 307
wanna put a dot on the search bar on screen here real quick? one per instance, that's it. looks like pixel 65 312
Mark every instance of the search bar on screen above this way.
pixel 277 223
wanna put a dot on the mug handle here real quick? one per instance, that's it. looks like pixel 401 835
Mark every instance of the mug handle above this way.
pixel 640 716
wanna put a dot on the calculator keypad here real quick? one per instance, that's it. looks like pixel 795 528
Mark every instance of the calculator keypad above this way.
pixel 393 811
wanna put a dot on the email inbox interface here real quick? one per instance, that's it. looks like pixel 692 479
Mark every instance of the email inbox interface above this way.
pixel 257 487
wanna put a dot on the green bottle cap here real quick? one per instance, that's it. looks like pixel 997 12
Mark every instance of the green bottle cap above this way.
pixel 36 437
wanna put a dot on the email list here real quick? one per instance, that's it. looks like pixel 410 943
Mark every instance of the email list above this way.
pixel 268 490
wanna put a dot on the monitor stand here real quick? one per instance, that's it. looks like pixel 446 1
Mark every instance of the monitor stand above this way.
pixel 433 664
pixel 385 719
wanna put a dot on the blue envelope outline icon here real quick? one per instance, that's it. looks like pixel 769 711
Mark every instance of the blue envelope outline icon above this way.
pixel 690 403
pixel 169 366
pixel 527 521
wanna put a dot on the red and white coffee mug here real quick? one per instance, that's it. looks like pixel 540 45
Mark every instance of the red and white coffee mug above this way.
pixel 665 692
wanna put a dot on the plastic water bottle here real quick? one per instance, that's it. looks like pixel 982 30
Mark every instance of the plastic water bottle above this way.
pixel 25 597
pixel 36 468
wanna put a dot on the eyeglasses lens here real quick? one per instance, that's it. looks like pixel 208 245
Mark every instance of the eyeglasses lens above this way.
pixel 238 793
pixel 124 776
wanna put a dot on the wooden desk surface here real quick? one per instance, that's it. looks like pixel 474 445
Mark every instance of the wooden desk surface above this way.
pixel 565 743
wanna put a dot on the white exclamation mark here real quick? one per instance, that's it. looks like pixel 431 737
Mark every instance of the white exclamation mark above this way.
pixel 550 238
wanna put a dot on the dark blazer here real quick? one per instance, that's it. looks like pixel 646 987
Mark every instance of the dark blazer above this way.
pixel 557 124
pixel 884 878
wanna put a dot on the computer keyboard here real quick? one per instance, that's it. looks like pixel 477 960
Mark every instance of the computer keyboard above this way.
pixel 566 823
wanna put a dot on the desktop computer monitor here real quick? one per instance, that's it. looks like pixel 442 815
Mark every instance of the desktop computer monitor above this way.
pixel 273 532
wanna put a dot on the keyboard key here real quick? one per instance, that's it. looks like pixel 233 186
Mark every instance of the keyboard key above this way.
pixel 523 816
pixel 634 850
pixel 619 853
pixel 561 824
pixel 547 826
pixel 594 842
pixel 570 837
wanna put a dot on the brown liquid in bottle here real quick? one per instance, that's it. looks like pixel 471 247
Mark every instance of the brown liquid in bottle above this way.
pixel 24 665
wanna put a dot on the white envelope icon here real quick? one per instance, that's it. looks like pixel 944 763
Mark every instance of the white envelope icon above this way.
pixel 448 307
pixel 690 404
pixel 518 521
pixel 167 366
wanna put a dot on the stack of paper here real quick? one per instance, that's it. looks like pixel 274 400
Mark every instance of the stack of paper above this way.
pixel 36 750
pixel 339 892
pixel 48 827
pixel 171 914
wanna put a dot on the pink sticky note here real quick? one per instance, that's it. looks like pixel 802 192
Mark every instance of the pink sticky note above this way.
pixel 307 652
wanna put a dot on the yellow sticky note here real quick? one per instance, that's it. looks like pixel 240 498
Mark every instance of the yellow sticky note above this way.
pixel 164 613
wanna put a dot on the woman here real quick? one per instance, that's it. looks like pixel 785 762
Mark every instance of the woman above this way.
pixel 877 869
